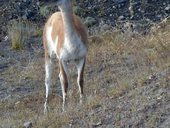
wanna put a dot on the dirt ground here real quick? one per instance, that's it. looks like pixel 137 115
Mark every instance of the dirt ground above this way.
pixel 127 84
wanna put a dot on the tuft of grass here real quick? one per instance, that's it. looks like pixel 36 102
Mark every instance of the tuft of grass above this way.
pixel 93 102
pixel 101 12
pixel 45 11
pixel 19 31
pixel 78 10
pixel 117 65
pixel 122 87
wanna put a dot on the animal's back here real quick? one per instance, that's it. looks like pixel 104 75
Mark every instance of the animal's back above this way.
pixel 57 32
pixel 55 21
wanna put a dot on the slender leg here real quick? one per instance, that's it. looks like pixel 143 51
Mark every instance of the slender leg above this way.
pixel 80 80
pixel 64 80
pixel 48 71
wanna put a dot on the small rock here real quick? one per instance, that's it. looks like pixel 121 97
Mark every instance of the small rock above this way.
pixel 5 38
pixel 167 8
pixel 120 1
pixel 121 18
pixel 18 102
pixel 97 124
pixel 104 27
pixel 28 124
pixel 38 3
pixel 110 126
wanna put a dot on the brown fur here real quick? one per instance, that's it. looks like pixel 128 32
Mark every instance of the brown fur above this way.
pixel 58 30
pixel 65 80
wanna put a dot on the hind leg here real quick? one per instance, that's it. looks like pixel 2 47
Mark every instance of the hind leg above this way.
pixel 48 71
pixel 80 64
pixel 64 80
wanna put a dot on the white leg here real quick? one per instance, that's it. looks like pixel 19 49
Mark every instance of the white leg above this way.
pixel 48 71
pixel 80 80
pixel 64 80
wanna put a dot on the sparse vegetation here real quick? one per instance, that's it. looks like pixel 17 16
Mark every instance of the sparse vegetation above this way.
pixel 126 75
pixel 19 31
pixel 89 21
pixel 45 11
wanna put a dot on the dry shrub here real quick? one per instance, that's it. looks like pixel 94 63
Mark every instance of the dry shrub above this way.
pixel 116 63
pixel 19 31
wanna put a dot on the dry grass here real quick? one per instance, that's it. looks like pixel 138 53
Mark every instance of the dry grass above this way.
pixel 116 64
pixel 19 31
pixel 45 11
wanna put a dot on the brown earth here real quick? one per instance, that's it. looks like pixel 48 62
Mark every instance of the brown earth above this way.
pixel 127 83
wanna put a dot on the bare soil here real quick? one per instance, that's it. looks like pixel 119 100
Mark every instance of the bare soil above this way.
pixel 127 79
pixel 123 87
